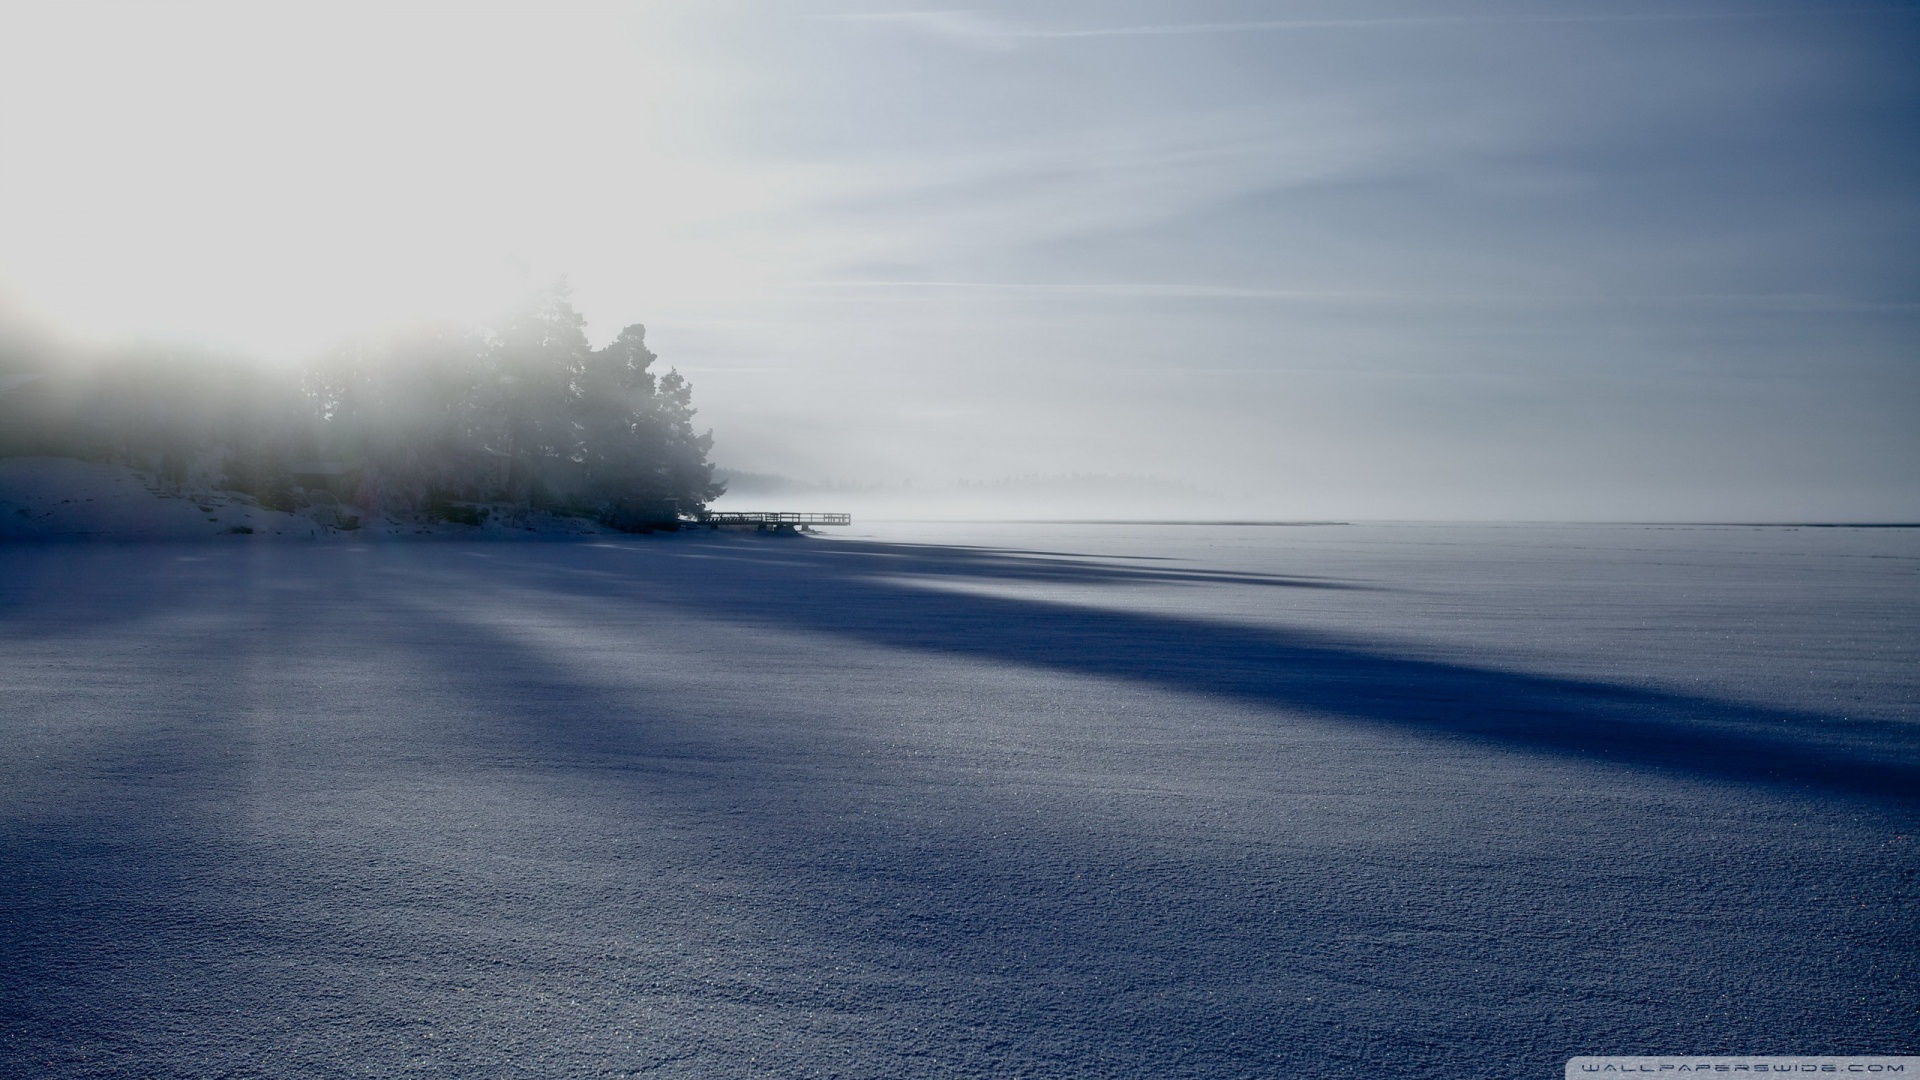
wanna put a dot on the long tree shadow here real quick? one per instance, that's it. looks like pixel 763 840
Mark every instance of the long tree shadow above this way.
pixel 1003 919
pixel 868 592
pixel 957 925
pixel 958 938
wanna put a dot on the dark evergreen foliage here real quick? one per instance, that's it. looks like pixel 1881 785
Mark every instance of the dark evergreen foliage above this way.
pixel 435 423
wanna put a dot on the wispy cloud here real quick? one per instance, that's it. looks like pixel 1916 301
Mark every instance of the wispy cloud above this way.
pixel 1013 195
pixel 983 30
pixel 1784 302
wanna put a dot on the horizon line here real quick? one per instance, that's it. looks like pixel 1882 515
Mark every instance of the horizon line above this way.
pixel 1403 521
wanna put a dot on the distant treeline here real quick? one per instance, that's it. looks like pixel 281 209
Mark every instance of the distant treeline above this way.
pixel 434 423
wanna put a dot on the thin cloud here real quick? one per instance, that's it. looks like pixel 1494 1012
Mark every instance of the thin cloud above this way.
pixel 979 29
pixel 1196 291
pixel 1797 302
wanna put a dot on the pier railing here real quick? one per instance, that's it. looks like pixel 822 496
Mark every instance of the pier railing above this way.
pixel 770 517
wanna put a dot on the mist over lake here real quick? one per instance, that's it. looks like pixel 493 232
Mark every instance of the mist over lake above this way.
pixel 1469 260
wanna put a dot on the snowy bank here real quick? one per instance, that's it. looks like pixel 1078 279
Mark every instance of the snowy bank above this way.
pixel 53 498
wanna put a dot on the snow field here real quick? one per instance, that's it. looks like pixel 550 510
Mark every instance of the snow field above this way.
pixel 957 801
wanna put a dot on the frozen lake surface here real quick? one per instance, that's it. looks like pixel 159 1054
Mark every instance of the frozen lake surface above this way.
pixel 958 800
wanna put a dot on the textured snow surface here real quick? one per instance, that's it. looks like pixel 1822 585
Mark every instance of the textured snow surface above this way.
pixel 958 801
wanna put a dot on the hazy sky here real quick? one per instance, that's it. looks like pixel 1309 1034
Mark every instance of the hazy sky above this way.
pixel 1605 259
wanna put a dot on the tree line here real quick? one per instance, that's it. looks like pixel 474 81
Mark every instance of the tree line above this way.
pixel 436 423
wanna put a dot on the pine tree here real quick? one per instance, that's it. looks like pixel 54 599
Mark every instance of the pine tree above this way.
pixel 637 432
pixel 534 360
pixel 523 412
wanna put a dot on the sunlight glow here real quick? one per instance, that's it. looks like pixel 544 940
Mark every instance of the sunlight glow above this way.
pixel 268 177
pixel 1335 260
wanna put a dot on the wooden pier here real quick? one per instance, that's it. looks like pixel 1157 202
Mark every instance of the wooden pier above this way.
pixel 768 519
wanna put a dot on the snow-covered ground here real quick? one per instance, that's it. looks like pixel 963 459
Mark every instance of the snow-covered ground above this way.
pixel 60 498
pixel 959 800
pixel 52 498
